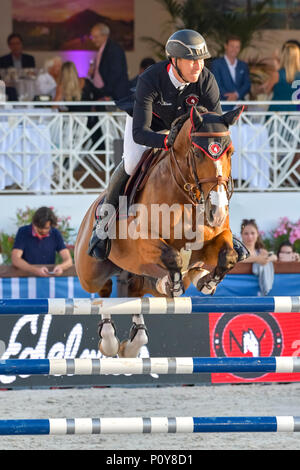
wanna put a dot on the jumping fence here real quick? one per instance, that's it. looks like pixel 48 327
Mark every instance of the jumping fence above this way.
pixel 145 425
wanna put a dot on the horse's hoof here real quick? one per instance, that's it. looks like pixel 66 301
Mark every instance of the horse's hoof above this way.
pixel 113 351
pixel 138 337
pixel 175 287
pixel 112 345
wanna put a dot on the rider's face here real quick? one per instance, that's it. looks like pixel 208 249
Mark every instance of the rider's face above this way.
pixel 190 69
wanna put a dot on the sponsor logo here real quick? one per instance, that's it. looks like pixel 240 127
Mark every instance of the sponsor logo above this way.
pixel 214 149
pixel 247 335
pixel 192 100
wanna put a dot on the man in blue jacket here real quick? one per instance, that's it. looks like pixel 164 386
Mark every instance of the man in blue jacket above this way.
pixel 232 74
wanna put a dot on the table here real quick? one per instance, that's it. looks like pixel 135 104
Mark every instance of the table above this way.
pixel 252 156
pixel 25 156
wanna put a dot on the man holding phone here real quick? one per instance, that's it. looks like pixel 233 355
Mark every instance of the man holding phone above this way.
pixel 37 244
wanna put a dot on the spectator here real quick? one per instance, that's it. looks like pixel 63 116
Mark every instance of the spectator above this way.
pixel 73 88
pixel 109 73
pixel 37 244
pixel 288 73
pixel 262 260
pixel 232 74
pixel 286 253
pixel 253 241
pixel 16 58
pixel 144 64
pixel 46 82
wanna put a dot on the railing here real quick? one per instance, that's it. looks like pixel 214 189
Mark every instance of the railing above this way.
pixel 46 151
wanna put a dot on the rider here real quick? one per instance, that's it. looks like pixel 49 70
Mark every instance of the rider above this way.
pixel 165 91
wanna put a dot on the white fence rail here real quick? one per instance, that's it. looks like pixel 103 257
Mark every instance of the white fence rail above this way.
pixel 46 151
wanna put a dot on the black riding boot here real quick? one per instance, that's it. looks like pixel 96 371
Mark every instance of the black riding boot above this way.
pixel 241 250
pixel 100 247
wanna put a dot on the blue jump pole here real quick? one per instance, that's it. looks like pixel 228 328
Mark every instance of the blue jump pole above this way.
pixel 150 305
pixel 153 365
pixel 150 425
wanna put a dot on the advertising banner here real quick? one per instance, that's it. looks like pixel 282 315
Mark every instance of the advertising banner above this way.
pixel 252 335
pixel 49 336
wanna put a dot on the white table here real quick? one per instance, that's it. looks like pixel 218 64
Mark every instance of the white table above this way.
pixel 25 156
pixel 252 156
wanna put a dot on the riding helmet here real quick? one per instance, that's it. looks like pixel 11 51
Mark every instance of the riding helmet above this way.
pixel 187 44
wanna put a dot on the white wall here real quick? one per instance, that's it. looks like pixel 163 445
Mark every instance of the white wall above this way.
pixel 266 208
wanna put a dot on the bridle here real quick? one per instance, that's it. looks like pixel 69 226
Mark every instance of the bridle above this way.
pixel 193 189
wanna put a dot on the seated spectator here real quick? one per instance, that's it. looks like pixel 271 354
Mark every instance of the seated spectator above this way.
pixel 262 259
pixel 288 73
pixel 232 74
pixel 109 73
pixel 253 242
pixel 46 82
pixel 286 253
pixel 144 64
pixel 38 243
pixel 71 87
pixel 16 58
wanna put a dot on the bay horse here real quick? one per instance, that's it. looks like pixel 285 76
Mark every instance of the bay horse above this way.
pixel 191 185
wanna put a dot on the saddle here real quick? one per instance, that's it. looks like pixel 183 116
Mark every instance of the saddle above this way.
pixel 139 178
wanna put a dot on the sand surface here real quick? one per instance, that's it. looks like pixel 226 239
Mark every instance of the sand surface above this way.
pixel 218 400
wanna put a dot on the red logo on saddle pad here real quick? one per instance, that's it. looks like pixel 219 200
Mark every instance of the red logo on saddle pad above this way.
pixel 214 149
pixel 192 100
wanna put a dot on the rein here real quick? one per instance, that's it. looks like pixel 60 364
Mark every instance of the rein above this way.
pixel 194 190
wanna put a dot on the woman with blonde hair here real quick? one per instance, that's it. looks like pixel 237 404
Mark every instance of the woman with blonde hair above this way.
pixel 71 87
pixel 287 88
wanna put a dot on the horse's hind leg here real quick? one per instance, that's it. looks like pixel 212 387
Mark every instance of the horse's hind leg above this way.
pixel 108 344
pixel 138 335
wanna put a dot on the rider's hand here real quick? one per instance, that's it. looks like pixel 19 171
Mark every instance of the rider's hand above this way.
pixel 170 138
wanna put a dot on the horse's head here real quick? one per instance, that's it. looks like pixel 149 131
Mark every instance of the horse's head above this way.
pixel 206 142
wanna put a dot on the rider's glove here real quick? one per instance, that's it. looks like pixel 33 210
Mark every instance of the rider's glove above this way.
pixel 170 138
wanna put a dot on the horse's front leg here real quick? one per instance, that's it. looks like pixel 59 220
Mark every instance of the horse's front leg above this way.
pixel 226 259
pixel 171 285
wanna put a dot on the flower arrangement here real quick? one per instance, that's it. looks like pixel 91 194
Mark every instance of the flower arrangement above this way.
pixel 24 217
pixel 285 231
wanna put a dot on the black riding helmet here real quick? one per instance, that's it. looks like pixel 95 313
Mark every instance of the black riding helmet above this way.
pixel 186 44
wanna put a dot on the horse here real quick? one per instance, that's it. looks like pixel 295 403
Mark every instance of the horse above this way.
pixel 191 185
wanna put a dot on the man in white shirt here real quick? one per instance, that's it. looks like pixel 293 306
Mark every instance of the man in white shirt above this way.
pixel 46 82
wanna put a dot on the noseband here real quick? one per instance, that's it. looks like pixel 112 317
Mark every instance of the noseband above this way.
pixel 193 189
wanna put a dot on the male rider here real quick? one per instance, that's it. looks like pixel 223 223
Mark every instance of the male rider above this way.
pixel 165 91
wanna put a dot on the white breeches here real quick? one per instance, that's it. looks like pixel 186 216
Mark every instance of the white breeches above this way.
pixel 132 152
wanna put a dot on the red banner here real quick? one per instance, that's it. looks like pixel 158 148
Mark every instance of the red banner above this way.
pixel 254 334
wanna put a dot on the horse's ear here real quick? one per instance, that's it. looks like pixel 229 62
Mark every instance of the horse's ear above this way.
pixel 232 116
pixel 196 118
